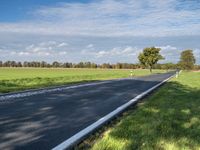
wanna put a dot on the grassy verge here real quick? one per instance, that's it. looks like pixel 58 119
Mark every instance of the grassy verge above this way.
pixel 15 79
pixel 168 119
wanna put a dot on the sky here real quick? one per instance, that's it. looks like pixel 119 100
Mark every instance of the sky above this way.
pixel 101 31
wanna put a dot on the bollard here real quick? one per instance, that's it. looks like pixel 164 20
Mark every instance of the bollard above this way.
pixel 131 74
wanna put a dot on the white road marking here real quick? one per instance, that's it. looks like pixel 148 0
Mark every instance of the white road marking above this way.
pixel 32 92
pixel 47 90
pixel 83 133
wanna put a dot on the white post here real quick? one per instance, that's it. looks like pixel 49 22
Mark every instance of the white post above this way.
pixel 132 74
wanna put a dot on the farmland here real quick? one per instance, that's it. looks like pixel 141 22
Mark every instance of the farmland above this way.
pixel 16 79
pixel 168 119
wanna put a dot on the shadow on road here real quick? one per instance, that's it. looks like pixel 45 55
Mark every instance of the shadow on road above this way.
pixel 45 120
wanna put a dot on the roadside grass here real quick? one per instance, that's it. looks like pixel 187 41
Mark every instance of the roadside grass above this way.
pixel 169 119
pixel 16 79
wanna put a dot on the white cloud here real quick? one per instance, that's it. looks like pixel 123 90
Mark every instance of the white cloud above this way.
pixel 112 18
pixel 168 47
pixel 40 51
pixel 21 53
pixel 197 55
pixel 103 31
pixel 116 54
pixel 170 53
pixel 90 46
pixel 63 44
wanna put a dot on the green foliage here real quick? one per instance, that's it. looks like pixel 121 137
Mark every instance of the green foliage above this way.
pixel 56 64
pixel 167 120
pixel 187 60
pixel 150 56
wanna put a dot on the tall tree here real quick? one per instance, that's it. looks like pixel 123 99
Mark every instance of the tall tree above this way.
pixel 1 64
pixel 187 60
pixel 150 56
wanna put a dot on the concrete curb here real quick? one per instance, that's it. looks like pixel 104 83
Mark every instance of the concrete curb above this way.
pixel 75 139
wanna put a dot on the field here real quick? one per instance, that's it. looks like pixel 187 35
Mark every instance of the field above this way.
pixel 15 79
pixel 168 119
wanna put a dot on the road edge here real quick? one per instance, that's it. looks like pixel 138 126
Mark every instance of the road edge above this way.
pixel 78 137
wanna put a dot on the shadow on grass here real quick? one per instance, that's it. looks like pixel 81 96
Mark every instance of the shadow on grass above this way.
pixel 170 119
pixel 7 86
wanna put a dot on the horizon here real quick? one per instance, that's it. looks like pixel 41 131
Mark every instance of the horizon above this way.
pixel 108 31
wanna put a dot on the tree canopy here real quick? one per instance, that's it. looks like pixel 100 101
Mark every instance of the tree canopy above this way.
pixel 150 56
pixel 187 60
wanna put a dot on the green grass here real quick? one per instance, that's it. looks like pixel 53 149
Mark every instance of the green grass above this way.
pixel 15 79
pixel 169 119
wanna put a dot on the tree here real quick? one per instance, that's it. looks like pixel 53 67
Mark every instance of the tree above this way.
pixel 43 64
pixel 168 66
pixel 19 64
pixel 55 64
pixel 1 64
pixel 150 56
pixel 187 60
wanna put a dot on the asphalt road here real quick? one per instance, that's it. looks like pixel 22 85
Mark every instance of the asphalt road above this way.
pixel 44 120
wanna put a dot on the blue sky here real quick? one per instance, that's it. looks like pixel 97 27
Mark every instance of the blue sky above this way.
pixel 99 31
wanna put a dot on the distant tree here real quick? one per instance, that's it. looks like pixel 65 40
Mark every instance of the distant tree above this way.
pixel 43 64
pixel 1 64
pixel 168 66
pixel 7 64
pixel 187 60
pixel 56 64
pixel 80 65
pixel 106 66
pixel 25 64
pixel 118 66
pixel 150 56
pixel 93 65
pixel 19 64
pixel 197 67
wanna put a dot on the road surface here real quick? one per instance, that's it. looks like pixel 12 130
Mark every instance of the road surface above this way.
pixel 44 120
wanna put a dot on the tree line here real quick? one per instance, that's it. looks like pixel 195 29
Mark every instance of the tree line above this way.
pixel 56 64
pixel 148 59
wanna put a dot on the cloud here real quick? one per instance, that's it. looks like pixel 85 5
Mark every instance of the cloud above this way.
pixel 63 44
pixel 118 51
pixel 167 47
pixel 112 18
pixel 103 31
pixel 90 46
pixel 197 55
pixel 42 51
pixel 170 53
pixel 49 51
pixel 116 54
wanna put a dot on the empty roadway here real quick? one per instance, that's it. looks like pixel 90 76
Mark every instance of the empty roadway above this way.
pixel 44 120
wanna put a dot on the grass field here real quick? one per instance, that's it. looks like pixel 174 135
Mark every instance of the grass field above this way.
pixel 15 79
pixel 167 120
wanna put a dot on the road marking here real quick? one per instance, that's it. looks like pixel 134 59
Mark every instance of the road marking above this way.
pixel 83 133
pixel 41 91
pixel 55 89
